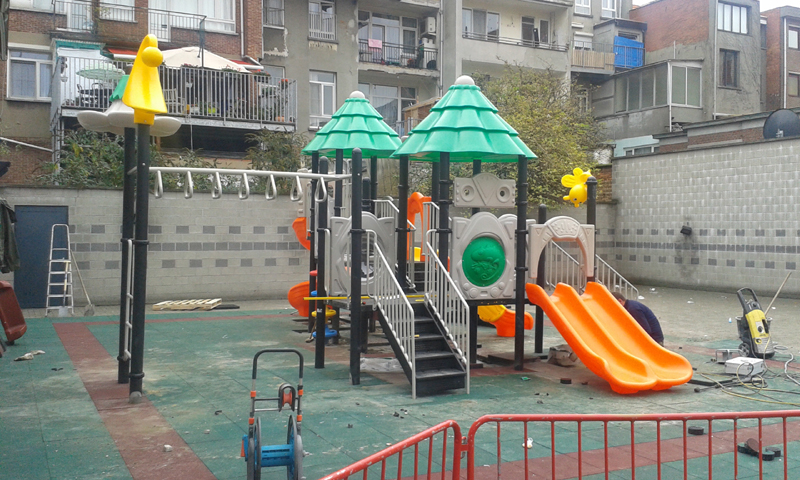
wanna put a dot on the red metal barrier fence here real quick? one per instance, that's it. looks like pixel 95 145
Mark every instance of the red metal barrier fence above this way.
pixel 392 459
pixel 662 446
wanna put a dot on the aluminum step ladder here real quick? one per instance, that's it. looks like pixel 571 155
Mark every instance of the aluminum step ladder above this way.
pixel 59 276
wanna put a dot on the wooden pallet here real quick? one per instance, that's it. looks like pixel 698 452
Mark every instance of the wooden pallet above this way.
pixel 200 304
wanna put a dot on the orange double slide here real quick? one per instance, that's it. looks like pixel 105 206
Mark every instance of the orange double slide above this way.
pixel 608 340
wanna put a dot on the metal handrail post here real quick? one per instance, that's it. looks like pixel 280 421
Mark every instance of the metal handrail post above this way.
pixel 128 205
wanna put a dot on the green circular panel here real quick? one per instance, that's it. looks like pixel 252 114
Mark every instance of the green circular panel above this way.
pixel 484 261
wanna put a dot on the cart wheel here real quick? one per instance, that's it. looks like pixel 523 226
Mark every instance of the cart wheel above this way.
pixel 295 443
pixel 250 458
pixel 257 460
pixel 744 348
pixel 769 355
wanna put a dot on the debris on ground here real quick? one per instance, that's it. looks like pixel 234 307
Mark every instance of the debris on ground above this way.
pixel 562 355
pixel 29 355
pixel 167 448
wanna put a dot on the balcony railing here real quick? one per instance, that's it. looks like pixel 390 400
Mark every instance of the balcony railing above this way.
pixel 322 26
pixel 514 41
pixel 131 23
pixel 399 55
pixel 272 17
pixel 603 56
pixel 190 92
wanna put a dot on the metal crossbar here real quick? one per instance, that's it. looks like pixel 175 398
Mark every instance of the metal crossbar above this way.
pixel 429 446
pixel 392 302
pixel 126 352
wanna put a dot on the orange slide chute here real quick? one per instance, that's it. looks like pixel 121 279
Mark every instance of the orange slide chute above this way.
pixel 296 295
pixel 608 340
pixel 300 229
pixel 503 319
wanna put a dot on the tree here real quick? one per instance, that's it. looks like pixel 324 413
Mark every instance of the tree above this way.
pixel 276 151
pixel 550 116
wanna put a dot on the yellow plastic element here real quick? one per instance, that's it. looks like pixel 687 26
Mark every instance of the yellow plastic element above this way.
pixel 577 185
pixel 609 341
pixel 417 254
pixel 503 319
pixel 755 321
pixel 143 92
pixel 328 313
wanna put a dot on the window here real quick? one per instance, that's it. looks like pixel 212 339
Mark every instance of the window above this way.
pixel 389 101
pixel 583 7
pixel 793 85
pixel 731 18
pixel 646 88
pixel 793 38
pixel 685 86
pixel 29 74
pixel 609 9
pixel 389 29
pixel 117 10
pixel 544 31
pixel 323 97
pixel 728 68
pixel 219 13
pixel 629 152
pixel 322 20
pixel 480 24
pixel 530 36
pixel 583 40
pixel 36 4
pixel 273 13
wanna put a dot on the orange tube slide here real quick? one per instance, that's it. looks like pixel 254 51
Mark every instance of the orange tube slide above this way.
pixel 296 295
pixel 609 341
pixel 503 319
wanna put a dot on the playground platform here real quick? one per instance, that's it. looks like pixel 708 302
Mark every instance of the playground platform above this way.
pixel 63 416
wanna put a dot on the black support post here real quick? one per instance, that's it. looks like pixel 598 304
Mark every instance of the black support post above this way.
pixel 520 269
pixel 319 352
pixel 476 169
pixel 435 182
pixel 402 223
pixel 128 205
pixel 538 327
pixel 591 211
pixel 373 177
pixel 312 227
pixel 356 234
pixel 140 262
pixel 444 207
pixel 473 309
pixel 337 189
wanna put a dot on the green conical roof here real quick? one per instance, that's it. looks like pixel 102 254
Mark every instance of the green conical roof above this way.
pixel 120 89
pixel 355 125
pixel 465 124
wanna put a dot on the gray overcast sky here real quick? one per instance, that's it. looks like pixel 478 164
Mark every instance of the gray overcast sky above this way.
pixel 765 4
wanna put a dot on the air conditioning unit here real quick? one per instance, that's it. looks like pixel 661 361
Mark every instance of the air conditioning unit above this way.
pixel 430 25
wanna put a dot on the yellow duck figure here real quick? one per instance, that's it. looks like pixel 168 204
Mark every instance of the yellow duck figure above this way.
pixel 577 185
pixel 143 93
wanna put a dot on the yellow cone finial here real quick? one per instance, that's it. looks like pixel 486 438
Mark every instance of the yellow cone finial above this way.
pixel 143 93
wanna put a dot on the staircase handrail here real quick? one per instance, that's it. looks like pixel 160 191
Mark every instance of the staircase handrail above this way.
pixel 444 297
pixel 392 302
pixel 605 274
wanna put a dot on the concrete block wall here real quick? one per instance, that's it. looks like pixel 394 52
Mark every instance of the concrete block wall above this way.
pixel 199 248
pixel 740 202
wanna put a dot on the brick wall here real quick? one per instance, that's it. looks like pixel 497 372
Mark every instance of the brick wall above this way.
pixel 199 248
pixel 252 28
pixel 681 21
pixel 740 202
pixel 747 136
pixel 26 162
pixel 31 22
pixel 774 60
pixel 604 183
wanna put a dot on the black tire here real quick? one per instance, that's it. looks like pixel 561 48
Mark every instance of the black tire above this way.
pixel 294 471
pixel 251 454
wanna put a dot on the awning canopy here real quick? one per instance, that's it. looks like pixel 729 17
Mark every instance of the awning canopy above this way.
pixel 465 124
pixel 198 57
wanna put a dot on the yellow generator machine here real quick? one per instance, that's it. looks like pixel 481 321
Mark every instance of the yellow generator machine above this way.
pixel 753 327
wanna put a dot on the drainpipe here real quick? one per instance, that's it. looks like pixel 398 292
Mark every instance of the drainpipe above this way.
pixel 241 25
pixel 440 60
pixel 715 59
pixel 784 67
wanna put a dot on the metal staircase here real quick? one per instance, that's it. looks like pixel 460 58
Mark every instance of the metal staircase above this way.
pixel 430 353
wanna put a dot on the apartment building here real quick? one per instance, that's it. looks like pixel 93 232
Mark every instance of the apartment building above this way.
pixel 781 42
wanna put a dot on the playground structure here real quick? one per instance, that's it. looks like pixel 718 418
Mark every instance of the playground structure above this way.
pixel 372 246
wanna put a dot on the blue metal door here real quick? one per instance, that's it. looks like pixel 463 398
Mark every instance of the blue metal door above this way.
pixel 33 242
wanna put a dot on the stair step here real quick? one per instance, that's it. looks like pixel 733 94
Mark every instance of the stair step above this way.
pixel 440 374
pixel 435 354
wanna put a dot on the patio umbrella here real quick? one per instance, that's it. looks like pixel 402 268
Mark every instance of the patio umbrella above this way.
pixel 103 71
pixel 197 57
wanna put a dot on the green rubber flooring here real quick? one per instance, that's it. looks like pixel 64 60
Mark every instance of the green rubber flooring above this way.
pixel 198 377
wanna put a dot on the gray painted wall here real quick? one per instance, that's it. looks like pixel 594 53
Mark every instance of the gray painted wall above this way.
pixel 740 202
pixel 199 248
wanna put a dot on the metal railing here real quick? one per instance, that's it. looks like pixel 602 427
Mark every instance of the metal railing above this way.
pixel 445 300
pixel 392 302
pixel 408 56
pixel 606 56
pixel 321 26
pixel 188 91
pixel 515 41
pixel 387 208
pixel 84 16
pixel 562 267
pixel 272 17
pixel 432 455
pixel 667 437
pixel 126 351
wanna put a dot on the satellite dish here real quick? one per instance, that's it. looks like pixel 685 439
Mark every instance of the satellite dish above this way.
pixel 782 123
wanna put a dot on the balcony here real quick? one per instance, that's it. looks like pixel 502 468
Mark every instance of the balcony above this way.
pixel 322 26
pixel 605 58
pixel 482 52
pixel 382 53
pixel 129 24
pixel 272 17
pixel 514 41
pixel 200 96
